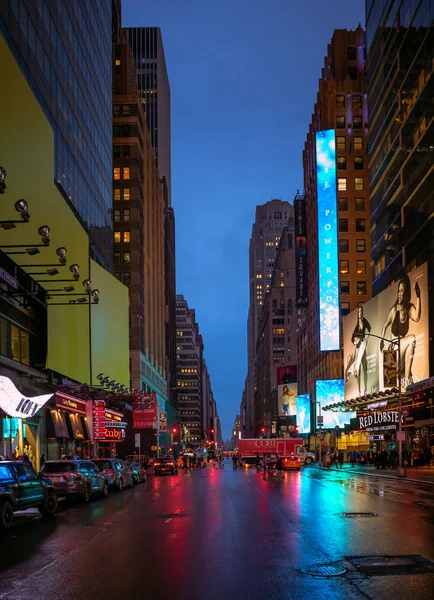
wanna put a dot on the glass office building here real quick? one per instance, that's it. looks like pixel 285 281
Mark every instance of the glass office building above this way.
pixel 64 49
pixel 400 41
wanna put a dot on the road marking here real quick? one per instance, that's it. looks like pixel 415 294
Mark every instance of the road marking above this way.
pixel 167 520
pixel 27 578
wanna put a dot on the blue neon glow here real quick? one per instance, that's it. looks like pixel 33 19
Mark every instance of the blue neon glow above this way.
pixel 302 410
pixel 331 391
pixel 327 241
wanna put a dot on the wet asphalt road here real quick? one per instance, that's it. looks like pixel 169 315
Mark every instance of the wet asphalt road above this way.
pixel 224 534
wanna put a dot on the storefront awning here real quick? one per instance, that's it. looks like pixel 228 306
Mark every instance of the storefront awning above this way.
pixel 15 404
pixel 363 402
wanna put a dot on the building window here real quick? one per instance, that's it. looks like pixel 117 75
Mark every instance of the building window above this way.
pixel 361 288
pixel 126 110
pixel 360 204
pixel 126 194
pixel 351 53
pixel 345 288
pixel 345 308
pixel 342 203
pixel 360 245
pixel 116 215
pixel 126 172
pixel 127 278
pixel 358 143
pixel 357 102
pixel 127 237
pixel 289 306
pixel 358 163
pixel 340 142
pixel 342 184
pixel 126 214
pixel 344 267
pixel 343 225
pixel 352 72
pixel 359 184
pixel 125 131
pixel 340 122
pixel 340 101
pixel 116 173
pixel 361 267
pixel 116 110
pixel 117 237
pixel 380 265
pixel 342 162
pixel 357 122
pixel 343 245
pixel 360 225
pixel 116 194
pixel 117 258
pixel 116 151
pixel 127 258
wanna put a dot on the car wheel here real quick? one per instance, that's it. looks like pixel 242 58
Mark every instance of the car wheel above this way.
pixel 121 485
pixel 87 493
pixel 6 515
pixel 49 506
pixel 105 490
pixel 308 461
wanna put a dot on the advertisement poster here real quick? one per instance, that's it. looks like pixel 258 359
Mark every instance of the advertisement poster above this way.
pixel 302 404
pixel 300 253
pixel 286 390
pixel 145 412
pixel 331 391
pixel 327 241
pixel 400 309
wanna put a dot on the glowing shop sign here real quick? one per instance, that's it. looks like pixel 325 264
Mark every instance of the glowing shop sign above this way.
pixel 15 404
pixel 327 241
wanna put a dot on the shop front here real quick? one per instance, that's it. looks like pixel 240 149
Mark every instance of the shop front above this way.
pixel 67 430
pixel 109 430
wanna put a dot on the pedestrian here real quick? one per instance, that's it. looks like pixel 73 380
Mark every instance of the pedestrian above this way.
pixel 341 459
pixel 428 457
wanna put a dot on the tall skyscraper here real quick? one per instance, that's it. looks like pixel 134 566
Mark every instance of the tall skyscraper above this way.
pixel 276 339
pixel 266 231
pixel 335 164
pixel 64 50
pixel 154 91
pixel 400 42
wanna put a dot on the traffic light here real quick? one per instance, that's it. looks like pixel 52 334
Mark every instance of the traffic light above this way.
pixel 212 430
pixel 174 430
pixel 263 430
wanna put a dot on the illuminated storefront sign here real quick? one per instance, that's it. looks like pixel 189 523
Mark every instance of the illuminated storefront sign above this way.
pixel 99 420
pixel 70 403
pixel 327 241
pixel 14 404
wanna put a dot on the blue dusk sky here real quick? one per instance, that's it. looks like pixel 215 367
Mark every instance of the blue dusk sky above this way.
pixel 243 77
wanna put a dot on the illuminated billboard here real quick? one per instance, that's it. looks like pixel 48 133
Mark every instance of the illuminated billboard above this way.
pixel 300 252
pixel 331 391
pixel 286 390
pixel 327 240
pixel 370 362
pixel 302 403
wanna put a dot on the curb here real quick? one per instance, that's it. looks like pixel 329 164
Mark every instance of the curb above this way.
pixel 380 475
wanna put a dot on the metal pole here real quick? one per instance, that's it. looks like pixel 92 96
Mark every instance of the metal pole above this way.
pixel 158 443
pixel 401 470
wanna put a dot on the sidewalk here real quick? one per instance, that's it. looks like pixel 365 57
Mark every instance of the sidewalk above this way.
pixel 414 474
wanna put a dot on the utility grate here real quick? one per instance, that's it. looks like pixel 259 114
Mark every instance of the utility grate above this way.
pixel 359 515
pixel 324 570
pixel 412 564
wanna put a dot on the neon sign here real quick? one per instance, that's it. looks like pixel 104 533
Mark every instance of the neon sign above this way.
pixel 327 241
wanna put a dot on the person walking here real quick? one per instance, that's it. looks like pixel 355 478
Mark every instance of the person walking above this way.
pixel 341 459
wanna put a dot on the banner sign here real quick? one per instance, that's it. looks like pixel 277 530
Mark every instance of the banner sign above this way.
pixel 70 403
pixel 385 420
pixel 369 362
pixel 99 419
pixel 327 241
pixel 163 421
pixel 146 418
pixel 14 404
pixel 300 253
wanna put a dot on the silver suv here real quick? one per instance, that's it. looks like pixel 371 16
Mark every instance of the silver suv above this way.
pixel 116 471
pixel 76 478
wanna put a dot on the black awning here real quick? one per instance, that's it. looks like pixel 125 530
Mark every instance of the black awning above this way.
pixel 76 426
pixel 56 424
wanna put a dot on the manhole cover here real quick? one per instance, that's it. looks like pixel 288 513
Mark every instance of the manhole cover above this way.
pixel 359 515
pixel 324 570
pixel 392 565
pixel 168 516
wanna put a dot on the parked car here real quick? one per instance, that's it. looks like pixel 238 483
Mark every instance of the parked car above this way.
pixel 76 478
pixel 138 473
pixel 22 488
pixel 116 471
pixel 165 465
pixel 291 462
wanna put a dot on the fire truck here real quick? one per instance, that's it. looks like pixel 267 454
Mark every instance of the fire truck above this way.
pixel 248 448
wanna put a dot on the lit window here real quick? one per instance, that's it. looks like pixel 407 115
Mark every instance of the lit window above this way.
pixel 116 215
pixel 340 101
pixel 360 245
pixel 127 258
pixel 361 288
pixel 126 194
pixel 126 214
pixel 116 173
pixel 127 237
pixel 118 62
pixel 380 265
pixel 126 172
pixel 358 143
pixel 360 225
pixel 340 142
pixel 342 184
pixel 360 204
pixel 117 237
pixel 342 162
pixel 357 122
pixel 361 267
pixel 344 267
pixel 357 101
pixel 116 194
pixel 340 122
pixel 358 184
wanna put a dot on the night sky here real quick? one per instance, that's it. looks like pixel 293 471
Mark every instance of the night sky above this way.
pixel 243 77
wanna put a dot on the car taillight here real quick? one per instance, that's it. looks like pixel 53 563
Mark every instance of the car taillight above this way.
pixel 170 464
pixel 110 472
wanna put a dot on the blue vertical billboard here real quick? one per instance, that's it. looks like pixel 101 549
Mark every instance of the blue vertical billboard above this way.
pixel 327 240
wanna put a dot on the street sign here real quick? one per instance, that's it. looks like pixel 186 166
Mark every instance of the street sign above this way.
pixel 400 436
pixel 320 420
pixel 137 440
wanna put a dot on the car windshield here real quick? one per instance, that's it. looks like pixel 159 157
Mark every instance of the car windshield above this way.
pixel 104 464
pixel 5 473
pixel 59 467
